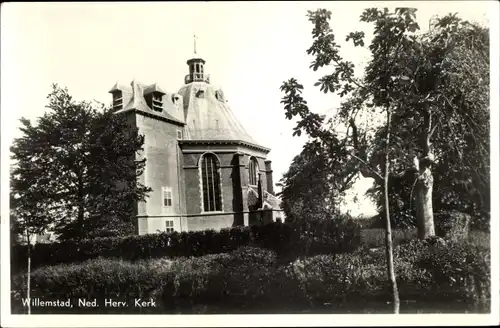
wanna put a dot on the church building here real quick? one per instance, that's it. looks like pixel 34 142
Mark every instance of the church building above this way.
pixel 205 170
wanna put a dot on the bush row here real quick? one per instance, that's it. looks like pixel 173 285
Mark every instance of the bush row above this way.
pixel 285 240
pixel 252 280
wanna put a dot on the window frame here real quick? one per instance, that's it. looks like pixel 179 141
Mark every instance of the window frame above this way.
pixel 155 101
pixel 253 171
pixel 169 226
pixel 157 97
pixel 165 193
pixel 117 99
pixel 210 184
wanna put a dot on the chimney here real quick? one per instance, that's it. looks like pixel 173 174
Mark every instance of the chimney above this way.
pixel 269 177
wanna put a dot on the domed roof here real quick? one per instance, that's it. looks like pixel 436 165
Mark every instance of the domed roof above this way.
pixel 208 116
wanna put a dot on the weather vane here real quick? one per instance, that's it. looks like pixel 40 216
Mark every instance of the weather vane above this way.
pixel 194 40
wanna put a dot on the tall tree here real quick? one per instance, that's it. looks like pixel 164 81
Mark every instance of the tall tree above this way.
pixel 458 52
pixel 78 167
pixel 438 93
pixel 309 192
pixel 417 81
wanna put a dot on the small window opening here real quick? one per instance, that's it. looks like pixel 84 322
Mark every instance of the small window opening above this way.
pixel 253 172
pixel 157 103
pixel 200 94
pixel 167 197
pixel 169 226
pixel 219 95
pixel 117 100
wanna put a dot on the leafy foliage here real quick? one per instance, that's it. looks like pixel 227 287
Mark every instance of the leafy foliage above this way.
pixel 309 190
pixel 458 64
pixel 76 170
pixel 253 280
pixel 99 279
pixel 333 236
pixel 436 86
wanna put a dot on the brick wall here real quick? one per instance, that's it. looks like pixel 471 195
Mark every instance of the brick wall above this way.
pixel 192 185
pixel 269 177
pixel 168 166
pixel 162 170
pixel 215 222
pixel 229 178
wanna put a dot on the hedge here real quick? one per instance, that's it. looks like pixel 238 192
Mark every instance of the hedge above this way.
pixel 253 280
pixel 287 241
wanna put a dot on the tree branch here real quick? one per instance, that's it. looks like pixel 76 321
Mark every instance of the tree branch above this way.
pixel 425 137
pixel 376 175
pixel 348 180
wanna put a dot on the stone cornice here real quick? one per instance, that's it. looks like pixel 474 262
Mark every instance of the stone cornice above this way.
pixel 152 115
pixel 224 142
pixel 184 215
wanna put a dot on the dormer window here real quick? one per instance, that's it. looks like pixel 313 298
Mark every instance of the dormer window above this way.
pixel 157 97
pixel 200 94
pixel 219 95
pixel 117 100
pixel 157 101
pixel 154 97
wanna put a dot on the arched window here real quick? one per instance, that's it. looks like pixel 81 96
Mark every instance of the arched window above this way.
pixel 210 181
pixel 253 171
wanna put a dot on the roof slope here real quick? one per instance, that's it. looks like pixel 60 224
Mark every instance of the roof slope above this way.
pixel 208 117
pixel 269 199
pixel 135 101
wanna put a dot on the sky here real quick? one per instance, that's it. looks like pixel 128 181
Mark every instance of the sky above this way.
pixel 250 48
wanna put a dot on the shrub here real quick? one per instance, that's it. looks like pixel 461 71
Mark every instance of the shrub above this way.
pixel 189 283
pixel 233 281
pixel 277 237
pixel 326 237
pixel 99 278
pixel 132 248
pixel 336 235
pixel 251 279
pixel 458 270
pixel 440 269
pixel 452 225
pixel 244 275
pixel 337 278
pixel 481 221
pixel 373 237
pixel 413 281
pixel 479 238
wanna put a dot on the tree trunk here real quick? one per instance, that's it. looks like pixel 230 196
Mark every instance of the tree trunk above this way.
pixel 81 209
pixel 28 278
pixel 425 181
pixel 423 204
pixel 388 230
pixel 81 223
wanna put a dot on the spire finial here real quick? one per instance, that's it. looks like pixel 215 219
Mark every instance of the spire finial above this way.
pixel 194 40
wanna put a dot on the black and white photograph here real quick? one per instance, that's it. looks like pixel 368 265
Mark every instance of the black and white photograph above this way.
pixel 249 163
